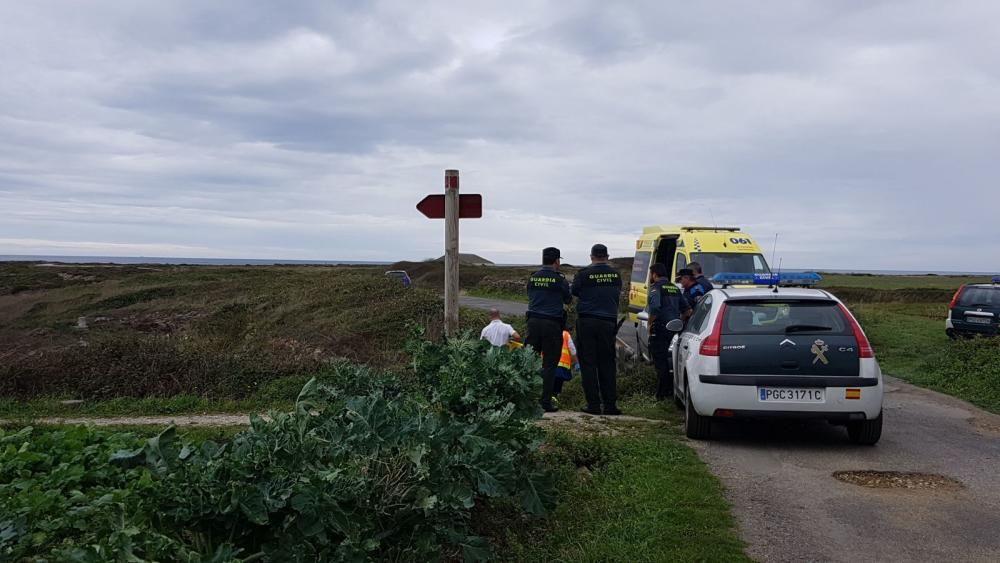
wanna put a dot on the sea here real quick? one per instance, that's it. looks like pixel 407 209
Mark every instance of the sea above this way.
pixel 181 261
pixel 122 260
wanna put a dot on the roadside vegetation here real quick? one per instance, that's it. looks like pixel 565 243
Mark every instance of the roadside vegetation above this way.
pixel 215 333
pixel 441 461
pixel 911 344
pixel 368 466
pixel 612 491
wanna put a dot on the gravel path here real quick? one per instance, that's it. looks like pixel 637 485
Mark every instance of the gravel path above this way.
pixel 177 420
pixel 779 479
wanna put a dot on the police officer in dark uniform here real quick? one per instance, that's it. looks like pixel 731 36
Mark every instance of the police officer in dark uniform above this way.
pixel 598 289
pixel 699 277
pixel 548 292
pixel 693 292
pixel 665 304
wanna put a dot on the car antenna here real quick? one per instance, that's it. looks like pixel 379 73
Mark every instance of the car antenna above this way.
pixel 774 249
pixel 714 223
pixel 778 281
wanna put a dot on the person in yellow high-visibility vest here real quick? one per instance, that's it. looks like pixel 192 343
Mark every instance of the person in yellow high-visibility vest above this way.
pixel 567 361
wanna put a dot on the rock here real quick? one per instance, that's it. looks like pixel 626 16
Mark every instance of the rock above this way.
pixel 71 402
pixel 81 323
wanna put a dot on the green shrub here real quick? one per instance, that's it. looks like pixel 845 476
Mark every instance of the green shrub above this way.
pixel 368 466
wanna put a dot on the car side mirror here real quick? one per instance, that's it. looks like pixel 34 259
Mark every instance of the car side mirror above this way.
pixel 675 325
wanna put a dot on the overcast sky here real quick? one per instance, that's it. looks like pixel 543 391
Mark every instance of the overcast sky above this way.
pixel 866 133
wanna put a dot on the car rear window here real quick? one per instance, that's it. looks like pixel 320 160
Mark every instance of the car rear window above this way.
pixel 784 317
pixel 979 297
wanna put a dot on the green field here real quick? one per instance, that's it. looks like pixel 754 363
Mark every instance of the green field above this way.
pixel 899 282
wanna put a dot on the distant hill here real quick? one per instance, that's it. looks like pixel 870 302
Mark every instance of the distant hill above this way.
pixel 624 264
pixel 469 260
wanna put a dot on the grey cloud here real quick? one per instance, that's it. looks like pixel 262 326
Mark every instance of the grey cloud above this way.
pixel 310 130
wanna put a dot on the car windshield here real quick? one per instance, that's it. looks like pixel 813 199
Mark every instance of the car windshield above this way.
pixel 716 262
pixel 980 297
pixel 768 317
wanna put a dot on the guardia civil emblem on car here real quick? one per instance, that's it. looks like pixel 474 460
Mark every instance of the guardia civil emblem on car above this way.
pixel 820 348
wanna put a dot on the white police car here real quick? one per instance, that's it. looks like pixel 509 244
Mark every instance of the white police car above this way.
pixel 776 352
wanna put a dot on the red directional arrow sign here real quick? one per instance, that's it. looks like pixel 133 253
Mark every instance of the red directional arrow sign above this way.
pixel 470 206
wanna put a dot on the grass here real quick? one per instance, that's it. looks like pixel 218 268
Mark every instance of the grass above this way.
pixel 641 497
pixel 503 294
pixel 910 344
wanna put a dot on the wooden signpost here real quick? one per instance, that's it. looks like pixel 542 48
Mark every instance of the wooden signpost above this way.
pixel 451 207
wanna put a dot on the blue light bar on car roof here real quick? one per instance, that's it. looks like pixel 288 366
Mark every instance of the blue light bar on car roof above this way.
pixel 996 279
pixel 784 278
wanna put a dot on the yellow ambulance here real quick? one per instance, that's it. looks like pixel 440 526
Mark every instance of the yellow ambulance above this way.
pixel 717 249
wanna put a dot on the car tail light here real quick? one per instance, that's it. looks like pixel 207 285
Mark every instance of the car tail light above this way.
pixel 954 300
pixel 712 345
pixel 864 346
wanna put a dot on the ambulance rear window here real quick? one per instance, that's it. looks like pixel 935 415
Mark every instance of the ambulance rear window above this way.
pixel 640 267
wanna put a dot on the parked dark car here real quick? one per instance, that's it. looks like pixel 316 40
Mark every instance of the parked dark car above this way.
pixel 400 275
pixel 974 310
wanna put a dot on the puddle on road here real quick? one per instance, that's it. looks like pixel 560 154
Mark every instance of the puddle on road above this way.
pixel 897 480
pixel 984 426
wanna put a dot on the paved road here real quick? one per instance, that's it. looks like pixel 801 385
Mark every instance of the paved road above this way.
pixel 790 508
pixel 514 309
pixel 779 480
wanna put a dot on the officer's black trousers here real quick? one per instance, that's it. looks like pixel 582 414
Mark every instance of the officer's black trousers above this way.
pixel 659 349
pixel 595 346
pixel 545 337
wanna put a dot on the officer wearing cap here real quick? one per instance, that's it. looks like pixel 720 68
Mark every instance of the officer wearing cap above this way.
pixel 598 289
pixel 699 277
pixel 693 291
pixel 665 304
pixel 548 292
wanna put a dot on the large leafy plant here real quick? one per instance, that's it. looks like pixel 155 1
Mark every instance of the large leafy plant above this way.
pixel 367 466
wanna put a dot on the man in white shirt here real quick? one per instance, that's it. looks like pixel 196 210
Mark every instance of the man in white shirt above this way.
pixel 498 333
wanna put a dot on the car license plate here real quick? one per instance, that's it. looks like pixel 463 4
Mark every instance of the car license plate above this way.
pixel 791 395
pixel 978 320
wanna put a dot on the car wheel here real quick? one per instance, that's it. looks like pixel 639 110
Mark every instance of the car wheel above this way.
pixel 696 427
pixel 866 432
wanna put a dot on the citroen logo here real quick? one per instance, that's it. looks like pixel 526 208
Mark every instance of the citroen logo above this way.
pixel 786 341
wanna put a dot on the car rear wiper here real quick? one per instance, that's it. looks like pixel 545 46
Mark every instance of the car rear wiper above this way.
pixel 805 328
pixel 979 305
